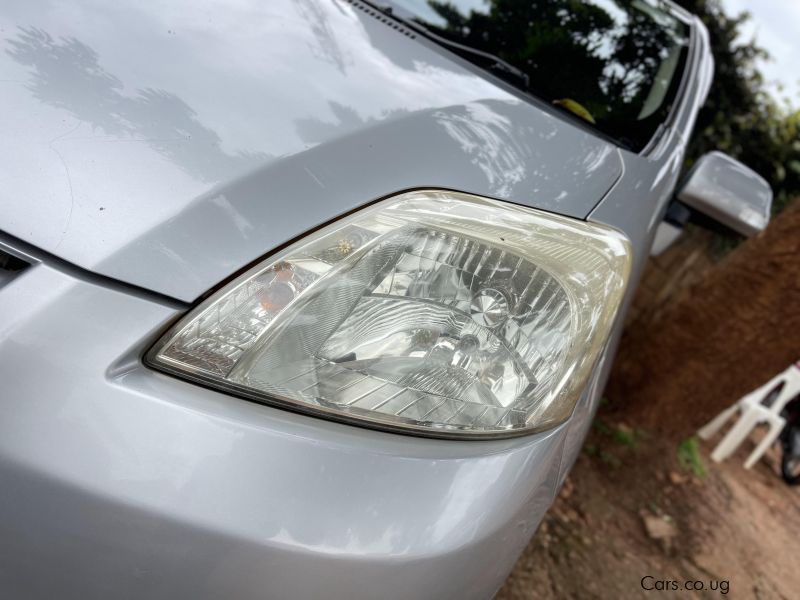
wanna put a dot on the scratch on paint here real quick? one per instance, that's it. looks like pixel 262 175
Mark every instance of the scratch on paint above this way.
pixel 314 177
pixel 69 179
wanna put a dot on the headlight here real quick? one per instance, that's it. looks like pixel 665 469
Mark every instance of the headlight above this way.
pixel 432 312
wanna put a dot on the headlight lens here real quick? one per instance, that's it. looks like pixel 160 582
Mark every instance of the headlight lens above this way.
pixel 434 312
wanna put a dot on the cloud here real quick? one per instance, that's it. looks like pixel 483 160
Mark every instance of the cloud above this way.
pixel 775 27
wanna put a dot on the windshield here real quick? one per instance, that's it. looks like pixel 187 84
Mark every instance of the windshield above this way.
pixel 613 63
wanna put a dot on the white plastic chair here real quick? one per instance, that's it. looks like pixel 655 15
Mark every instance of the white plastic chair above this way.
pixel 754 412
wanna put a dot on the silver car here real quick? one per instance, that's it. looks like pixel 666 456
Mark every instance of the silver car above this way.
pixel 317 298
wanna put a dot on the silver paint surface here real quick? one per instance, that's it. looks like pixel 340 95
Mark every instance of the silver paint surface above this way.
pixel 167 145
pixel 122 482
pixel 729 192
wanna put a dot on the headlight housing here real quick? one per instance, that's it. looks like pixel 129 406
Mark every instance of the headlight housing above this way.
pixel 432 312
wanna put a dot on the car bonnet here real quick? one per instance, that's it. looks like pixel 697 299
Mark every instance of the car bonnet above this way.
pixel 168 145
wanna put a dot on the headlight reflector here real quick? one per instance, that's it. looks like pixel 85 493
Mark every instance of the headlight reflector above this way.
pixel 433 312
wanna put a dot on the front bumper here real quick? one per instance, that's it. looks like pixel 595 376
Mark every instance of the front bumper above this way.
pixel 123 482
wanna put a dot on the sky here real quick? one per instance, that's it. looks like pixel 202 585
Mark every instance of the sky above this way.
pixel 776 26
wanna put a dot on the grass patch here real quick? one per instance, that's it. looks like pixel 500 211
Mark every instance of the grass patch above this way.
pixel 626 437
pixel 622 435
pixel 689 457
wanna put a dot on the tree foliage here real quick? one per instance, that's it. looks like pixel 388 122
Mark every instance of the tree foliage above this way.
pixel 740 117
pixel 599 61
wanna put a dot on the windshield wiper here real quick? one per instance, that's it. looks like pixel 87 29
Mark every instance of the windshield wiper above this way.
pixel 490 62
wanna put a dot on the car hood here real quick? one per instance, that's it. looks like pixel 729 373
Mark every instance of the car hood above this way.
pixel 168 145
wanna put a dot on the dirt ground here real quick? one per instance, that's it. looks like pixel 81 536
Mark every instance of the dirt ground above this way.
pixel 645 514
pixel 718 339
pixel 633 514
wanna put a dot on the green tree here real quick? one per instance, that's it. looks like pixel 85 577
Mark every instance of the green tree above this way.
pixel 602 59
pixel 740 117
